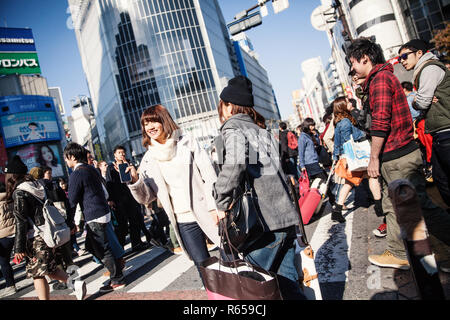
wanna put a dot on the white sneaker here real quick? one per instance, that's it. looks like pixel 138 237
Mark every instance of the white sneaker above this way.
pixel 80 289
pixel 8 291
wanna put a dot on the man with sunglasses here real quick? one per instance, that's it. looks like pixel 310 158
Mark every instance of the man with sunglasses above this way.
pixel 432 79
pixel 394 153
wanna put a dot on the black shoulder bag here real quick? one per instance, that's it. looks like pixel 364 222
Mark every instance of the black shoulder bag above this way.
pixel 243 222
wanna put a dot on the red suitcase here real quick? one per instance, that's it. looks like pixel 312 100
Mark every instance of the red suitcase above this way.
pixel 309 198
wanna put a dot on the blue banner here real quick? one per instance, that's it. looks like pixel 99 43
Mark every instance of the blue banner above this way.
pixel 28 119
pixel 17 40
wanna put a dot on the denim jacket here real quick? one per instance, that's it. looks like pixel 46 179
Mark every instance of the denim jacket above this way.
pixel 344 129
pixel 306 150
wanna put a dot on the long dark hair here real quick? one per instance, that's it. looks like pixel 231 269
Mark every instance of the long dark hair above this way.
pixel 12 180
pixel 305 128
pixel 257 118
pixel 340 111
pixel 40 158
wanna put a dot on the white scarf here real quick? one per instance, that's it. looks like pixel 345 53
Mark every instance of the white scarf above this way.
pixel 166 151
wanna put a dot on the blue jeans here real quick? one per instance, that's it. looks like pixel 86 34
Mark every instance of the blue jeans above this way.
pixel 116 248
pixel 194 241
pixel 6 246
pixel 275 252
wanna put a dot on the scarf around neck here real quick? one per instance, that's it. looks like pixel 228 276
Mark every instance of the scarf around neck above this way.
pixel 166 151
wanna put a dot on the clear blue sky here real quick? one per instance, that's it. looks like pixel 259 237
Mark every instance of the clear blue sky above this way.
pixel 283 41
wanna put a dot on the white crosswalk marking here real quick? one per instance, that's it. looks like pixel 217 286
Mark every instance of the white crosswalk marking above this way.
pixel 165 276
pixel 331 243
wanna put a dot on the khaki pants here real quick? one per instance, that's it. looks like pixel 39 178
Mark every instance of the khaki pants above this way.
pixel 437 219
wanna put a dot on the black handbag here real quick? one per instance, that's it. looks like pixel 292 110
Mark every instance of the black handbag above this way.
pixel 243 222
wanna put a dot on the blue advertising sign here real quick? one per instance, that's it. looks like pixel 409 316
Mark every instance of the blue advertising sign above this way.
pixel 29 127
pixel 16 39
pixel 28 119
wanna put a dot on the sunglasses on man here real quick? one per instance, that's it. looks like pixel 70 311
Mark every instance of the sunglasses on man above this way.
pixel 404 56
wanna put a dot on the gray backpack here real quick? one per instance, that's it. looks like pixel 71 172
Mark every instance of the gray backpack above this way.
pixel 54 231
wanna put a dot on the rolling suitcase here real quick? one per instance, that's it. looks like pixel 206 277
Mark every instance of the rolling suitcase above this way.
pixel 310 198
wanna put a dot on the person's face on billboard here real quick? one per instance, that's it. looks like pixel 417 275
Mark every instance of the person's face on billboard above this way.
pixel 46 154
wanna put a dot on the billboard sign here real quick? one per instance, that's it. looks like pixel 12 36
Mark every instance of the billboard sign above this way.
pixel 16 39
pixel 19 62
pixel 18 52
pixel 29 127
pixel 40 155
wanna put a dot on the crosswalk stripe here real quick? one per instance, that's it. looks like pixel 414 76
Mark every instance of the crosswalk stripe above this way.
pixel 165 276
pixel 331 243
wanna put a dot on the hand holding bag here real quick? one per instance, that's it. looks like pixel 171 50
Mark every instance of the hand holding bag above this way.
pixel 238 279
pixel 357 154
pixel 242 223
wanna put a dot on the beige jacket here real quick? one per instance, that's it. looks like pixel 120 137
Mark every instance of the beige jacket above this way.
pixel 7 221
pixel 328 137
pixel 198 178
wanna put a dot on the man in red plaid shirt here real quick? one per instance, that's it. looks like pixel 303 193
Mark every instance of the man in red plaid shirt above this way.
pixel 394 153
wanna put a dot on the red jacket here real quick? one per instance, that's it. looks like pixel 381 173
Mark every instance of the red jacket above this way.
pixel 391 118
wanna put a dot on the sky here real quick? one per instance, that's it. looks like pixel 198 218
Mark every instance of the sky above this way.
pixel 283 41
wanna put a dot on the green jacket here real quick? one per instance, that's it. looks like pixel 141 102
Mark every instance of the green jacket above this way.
pixel 438 115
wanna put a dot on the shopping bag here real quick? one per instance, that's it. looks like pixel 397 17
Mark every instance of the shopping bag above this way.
pixel 357 154
pixel 342 171
pixel 238 280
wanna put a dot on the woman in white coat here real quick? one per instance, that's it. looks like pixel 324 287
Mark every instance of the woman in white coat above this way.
pixel 180 174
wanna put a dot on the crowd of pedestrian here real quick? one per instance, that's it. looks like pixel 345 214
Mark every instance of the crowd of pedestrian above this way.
pixel 189 192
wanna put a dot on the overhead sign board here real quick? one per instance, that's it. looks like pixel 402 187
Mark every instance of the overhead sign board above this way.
pixel 28 119
pixel 16 40
pixel 18 52
pixel 19 62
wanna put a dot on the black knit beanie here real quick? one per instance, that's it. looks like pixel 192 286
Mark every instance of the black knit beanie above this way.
pixel 238 92
pixel 16 166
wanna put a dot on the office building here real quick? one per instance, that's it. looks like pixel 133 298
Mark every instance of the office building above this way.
pixel 139 53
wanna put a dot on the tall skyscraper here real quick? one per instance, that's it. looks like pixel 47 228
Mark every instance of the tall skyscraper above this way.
pixel 143 52
pixel 249 66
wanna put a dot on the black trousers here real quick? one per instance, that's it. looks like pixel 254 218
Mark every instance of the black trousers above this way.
pixel 98 245
pixel 440 159
pixel 130 220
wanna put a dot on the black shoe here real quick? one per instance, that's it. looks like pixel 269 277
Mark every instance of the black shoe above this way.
pixel 336 213
pixel 112 287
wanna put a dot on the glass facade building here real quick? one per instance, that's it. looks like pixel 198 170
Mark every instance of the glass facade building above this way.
pixel 426 16
pixel 137 53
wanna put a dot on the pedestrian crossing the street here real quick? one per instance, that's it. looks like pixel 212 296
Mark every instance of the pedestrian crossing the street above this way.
pixel 151 270
pixel 157 269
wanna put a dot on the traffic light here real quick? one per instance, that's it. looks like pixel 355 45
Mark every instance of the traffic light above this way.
pixel 245 23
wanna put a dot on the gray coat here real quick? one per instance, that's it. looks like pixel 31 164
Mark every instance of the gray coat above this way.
pixel 246 148
pixel 198 178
